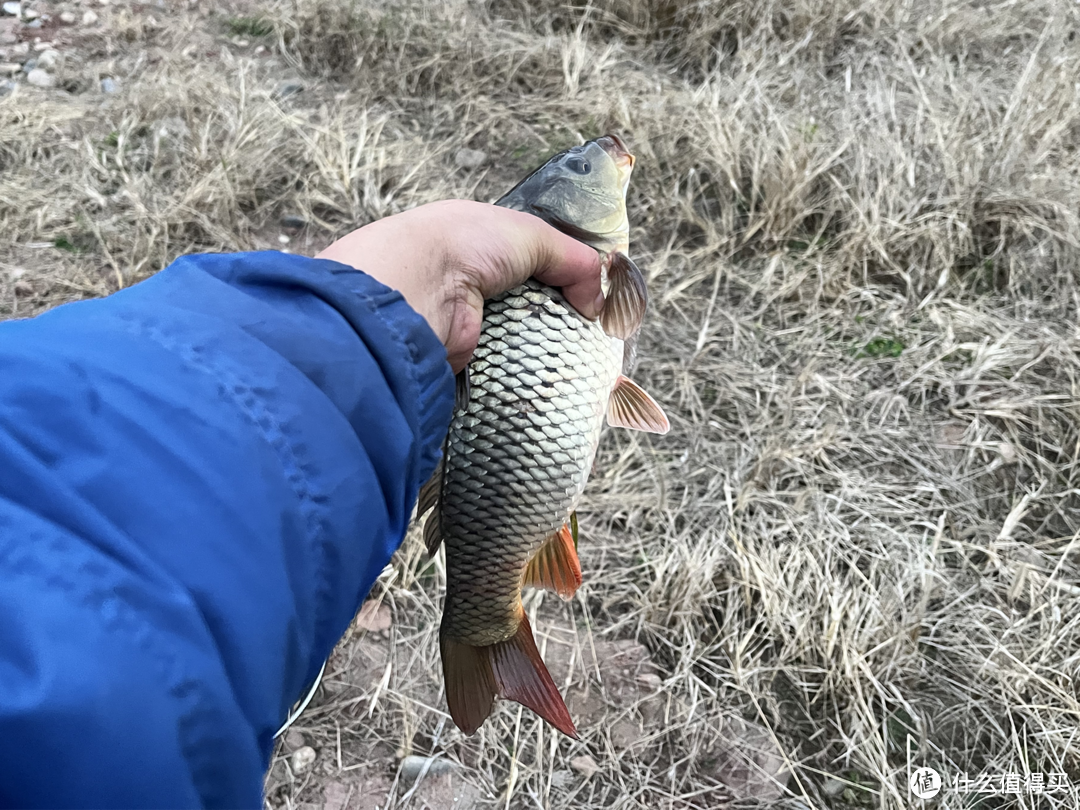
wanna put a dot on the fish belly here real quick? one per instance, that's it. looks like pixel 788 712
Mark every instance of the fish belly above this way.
pixel 519 452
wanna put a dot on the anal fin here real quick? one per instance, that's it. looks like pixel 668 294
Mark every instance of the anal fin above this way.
pixel 631 407
pixel 556 566
pixel 627 297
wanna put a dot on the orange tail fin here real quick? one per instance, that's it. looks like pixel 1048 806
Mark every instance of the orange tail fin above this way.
pixel 512 669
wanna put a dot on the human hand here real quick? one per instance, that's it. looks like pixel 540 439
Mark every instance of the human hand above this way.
pixel 446 257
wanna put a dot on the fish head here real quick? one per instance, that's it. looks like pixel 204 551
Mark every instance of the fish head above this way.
pixel 582 192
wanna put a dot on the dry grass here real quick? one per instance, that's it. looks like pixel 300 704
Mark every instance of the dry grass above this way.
pixel 860 544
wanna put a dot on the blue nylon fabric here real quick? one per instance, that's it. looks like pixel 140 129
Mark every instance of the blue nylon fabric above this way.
pixel 200 478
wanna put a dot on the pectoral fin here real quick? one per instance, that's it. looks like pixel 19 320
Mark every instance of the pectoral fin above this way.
pixel 626 300
pixel 630 407
pixel 556 566
pixel 430 494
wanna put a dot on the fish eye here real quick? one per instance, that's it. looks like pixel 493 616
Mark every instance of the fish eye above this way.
pixel 579 165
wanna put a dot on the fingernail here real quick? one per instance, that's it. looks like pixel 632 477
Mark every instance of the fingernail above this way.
pixel 598 304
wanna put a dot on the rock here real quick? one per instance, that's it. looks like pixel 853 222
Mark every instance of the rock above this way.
pixel 294 739
pixel 67 17
pixel 8 27
pixel 446 792
pixel 833 787
pixel 29 65
pixel 283 239
pixel 470 158
pixel 293 222
pixel 30 14
pixel 48 59
pixel 109 85
pixel 173 127
pixel 9 68
pixel 335 796
pixel 34 24
pixel 374 616
pixel 585 765
pixel 412 766
pixel 749 762
pixel 6 87
pixel 288 88
pixel 89 18
pixel 22 288
pixel 560 780
pixel 41 78
pixel 302 759
pixel 13 8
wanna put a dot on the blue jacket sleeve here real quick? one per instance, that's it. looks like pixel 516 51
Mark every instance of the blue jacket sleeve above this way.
pixel 200 478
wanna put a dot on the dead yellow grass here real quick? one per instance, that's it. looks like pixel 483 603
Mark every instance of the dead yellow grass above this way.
pixel 859 547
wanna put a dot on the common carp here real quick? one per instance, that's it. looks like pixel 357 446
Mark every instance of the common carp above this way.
pixel 526 427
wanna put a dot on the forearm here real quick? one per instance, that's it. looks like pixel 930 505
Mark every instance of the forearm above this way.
pixel 232 449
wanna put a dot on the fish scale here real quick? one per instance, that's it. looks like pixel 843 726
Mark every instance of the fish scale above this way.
pixel 520 451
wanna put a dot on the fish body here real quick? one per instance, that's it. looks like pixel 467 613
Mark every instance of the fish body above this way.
pixel 522 441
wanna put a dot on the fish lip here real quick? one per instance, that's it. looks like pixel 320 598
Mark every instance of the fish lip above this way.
pixel 614 146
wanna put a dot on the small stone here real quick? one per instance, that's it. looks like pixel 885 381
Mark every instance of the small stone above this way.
pixel 294 739
pixel 1007 452
pixel 293 222
pixel 241 43
pixel 259 49
pixel 560 780
pixel 651 680
pixel 13 8
pixel 412 766
pixel 9 68
pixel 374 616
pixel 29 65
pixel 47 59
pixel 833 787
pixel 585 765
pixel 6 87
pixel 23 289
pixel 288 88
pixel 89 18
pixel 21 48
pixel 302 759
pixel 41 78
pixel 283 239
pixel 30 14
pixel 470 158
pixel 67 17
pixel 109 85
pixel 34 24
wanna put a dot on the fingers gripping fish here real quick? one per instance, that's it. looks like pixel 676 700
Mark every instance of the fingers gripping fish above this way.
pixel 526 427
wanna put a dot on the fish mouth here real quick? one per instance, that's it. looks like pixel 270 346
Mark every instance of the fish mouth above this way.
pixel 613 145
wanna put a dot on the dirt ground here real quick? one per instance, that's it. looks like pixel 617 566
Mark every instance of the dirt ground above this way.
pixel 858 551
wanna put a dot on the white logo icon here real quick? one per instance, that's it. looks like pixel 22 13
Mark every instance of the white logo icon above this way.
pixel 925 783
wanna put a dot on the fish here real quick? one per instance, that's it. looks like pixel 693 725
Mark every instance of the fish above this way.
pixel 528 416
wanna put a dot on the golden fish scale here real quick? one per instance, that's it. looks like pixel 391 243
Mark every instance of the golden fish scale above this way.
pixel 518 456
